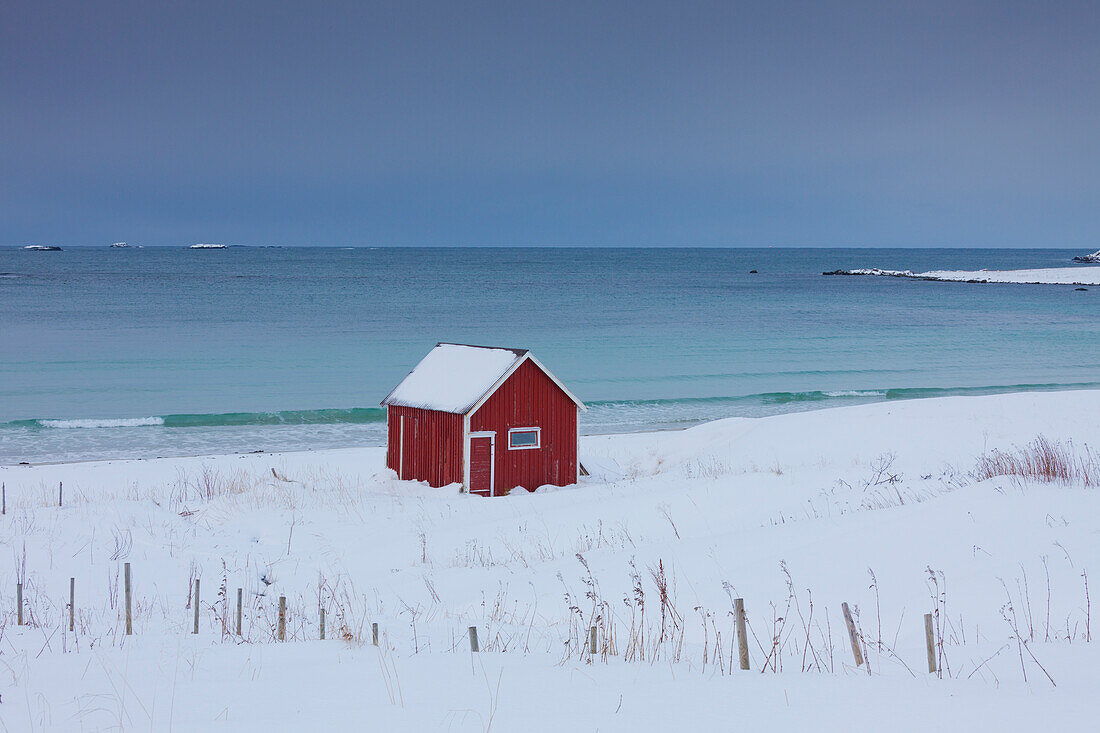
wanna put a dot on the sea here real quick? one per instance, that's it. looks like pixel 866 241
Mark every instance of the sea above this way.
pixel 164 351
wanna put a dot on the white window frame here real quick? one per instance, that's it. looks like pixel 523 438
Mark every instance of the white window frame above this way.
pixel 538 438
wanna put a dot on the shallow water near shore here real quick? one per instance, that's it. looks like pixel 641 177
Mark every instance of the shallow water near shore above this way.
pixel 167 351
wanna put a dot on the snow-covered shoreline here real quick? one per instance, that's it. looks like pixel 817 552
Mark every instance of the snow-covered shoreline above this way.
pixel 1045 276
pixel 875 505
pixel 818 428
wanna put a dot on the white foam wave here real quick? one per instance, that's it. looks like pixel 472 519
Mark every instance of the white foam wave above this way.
pixel 123 422
pixel 855 393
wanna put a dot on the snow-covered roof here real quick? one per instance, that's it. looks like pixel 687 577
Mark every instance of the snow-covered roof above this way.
pixel 453 377
pixel 457 377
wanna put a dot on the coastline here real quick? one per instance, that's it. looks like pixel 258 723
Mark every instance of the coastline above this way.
pixel 181 436
pixel 372 457
pixel 1044 276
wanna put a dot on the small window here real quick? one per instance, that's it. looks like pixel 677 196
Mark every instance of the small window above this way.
pixel 524 438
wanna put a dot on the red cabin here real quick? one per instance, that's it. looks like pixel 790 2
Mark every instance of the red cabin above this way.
pixel 490 419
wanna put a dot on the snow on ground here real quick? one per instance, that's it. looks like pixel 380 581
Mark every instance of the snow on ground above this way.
pixel 1043 276
pixel 873 505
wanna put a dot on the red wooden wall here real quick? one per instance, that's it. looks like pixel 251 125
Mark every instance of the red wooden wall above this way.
pixel 433 445
pixel 529 398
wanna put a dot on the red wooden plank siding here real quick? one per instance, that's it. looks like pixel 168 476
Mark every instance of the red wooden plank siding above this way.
pixel 529 398
pixel 433 445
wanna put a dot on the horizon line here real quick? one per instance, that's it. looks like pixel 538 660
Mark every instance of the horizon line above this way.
pixel 556 246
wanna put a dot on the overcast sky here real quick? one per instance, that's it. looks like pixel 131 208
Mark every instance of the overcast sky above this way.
pixel 550 123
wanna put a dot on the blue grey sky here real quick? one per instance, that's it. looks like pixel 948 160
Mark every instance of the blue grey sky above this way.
pixel 550 123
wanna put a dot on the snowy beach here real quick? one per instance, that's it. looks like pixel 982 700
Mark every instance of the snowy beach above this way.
pixel 893 508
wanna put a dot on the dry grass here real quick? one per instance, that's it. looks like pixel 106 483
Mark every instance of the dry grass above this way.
pixel 1043 460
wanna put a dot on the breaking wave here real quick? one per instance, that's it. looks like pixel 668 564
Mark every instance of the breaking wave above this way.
pixel 134 422
pixel 627 414
pixel 214 420
pixel 868 395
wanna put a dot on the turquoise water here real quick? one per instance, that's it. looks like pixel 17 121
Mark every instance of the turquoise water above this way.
pixel 156 351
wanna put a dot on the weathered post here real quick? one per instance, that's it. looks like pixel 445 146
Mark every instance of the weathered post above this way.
pixel 930 642
pixel 18 604
pixel 852 636
pixel 591 642
pixel 282 618
pixel 72 604
pixel 59 485
pixel 129 617
pixel 374 633
pixel 742 637
pixel 473 639
pixel 322 623
pixel 196 629
pixel 3 498
pixel 239 593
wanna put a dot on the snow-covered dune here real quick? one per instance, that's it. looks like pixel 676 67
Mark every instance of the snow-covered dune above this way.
pixel 1044 276
pixel 878 506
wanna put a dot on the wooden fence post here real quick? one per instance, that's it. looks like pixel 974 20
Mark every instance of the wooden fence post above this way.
pixel 473 639
pixel 239 593
pixel 374 633
pixel 196 629
pixel 852 636
pixel 591 642
pixel 3 498
pixel 282 618
pixel 129 617
pixel 18 604
pixel 72 604
pixel 322 623
pixel 59 493
pixel 930 641
pixel 742 636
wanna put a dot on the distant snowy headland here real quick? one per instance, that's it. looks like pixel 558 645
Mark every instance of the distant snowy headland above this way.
pixel 1047 276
